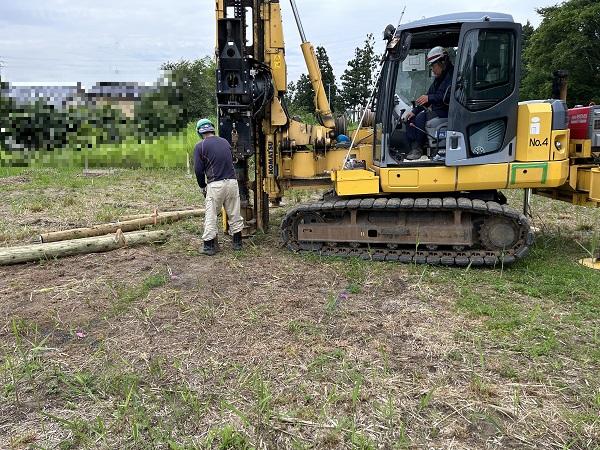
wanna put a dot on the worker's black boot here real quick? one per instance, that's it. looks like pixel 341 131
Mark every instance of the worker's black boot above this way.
pixel 237 240
pixel 416 151
pixel 209 248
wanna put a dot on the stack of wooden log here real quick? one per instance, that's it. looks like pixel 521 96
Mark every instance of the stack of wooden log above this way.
pixel 98 238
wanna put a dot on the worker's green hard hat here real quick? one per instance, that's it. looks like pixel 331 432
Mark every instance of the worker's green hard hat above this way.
pixel 205 126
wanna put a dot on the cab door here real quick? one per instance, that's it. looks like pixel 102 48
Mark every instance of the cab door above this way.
pixel 482 116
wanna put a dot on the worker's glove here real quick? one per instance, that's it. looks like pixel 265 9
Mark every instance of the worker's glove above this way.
pixel 203 191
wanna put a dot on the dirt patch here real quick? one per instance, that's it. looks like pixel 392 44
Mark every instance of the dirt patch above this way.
pixel 11 181
pixel 326 351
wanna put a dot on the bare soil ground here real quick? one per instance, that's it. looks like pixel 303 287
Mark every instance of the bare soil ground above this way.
pixel 159 347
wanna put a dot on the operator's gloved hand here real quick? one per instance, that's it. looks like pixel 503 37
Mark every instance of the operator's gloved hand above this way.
pixel 203 191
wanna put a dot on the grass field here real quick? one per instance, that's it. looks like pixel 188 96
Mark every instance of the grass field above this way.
pixel 157 347
pixel 167 151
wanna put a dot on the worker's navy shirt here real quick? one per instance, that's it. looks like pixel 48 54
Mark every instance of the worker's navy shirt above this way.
pixel 439 94
pixel 213 161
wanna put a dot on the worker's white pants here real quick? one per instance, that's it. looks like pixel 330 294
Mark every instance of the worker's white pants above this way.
pixel 218 194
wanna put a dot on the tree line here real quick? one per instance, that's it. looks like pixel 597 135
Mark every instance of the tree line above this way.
pixel 568 38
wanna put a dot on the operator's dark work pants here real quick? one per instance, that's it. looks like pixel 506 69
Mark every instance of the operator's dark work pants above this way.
pixel 419 120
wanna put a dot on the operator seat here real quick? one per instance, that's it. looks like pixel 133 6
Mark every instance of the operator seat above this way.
pixel 436 135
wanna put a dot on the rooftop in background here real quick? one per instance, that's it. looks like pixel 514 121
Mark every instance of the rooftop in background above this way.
pixel 64 94
pixel 121 90
pixel 58 95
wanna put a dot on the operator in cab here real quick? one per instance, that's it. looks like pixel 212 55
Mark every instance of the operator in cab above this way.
pixel 431 105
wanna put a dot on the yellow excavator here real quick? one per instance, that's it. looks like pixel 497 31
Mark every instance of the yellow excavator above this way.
pixel 446 207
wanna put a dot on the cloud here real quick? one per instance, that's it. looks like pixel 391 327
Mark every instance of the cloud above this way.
pixel 59 40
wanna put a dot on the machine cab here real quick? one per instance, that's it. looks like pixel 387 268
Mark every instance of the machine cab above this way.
pixel 482 104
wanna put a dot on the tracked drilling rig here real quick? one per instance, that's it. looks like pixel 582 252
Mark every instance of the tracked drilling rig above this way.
pixel 445 208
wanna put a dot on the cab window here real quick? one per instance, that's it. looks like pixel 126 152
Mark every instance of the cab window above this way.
pixel 485 69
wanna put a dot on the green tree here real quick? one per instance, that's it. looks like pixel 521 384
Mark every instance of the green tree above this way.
pixel 36 126
pixel 7 106
pixel 528 31
pixel 85 130
pixel 328 77
pixel 198 81
pixel 357 80
pixel 290 94
pixel 568 38
pixel 89 126
pixel 304 98
pixel 162 110
pixel 301 95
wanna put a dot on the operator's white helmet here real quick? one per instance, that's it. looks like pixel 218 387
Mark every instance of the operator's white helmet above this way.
pixel 436 53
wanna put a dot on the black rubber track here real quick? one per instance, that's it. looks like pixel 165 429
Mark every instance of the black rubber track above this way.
pixel 406 254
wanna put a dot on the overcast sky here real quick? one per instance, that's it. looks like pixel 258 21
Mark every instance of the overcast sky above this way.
pixel 127 40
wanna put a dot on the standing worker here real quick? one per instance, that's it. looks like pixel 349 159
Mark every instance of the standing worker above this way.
pixel 213 164
pixel 433 104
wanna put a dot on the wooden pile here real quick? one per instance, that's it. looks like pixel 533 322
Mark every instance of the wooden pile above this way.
pixel 98 238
